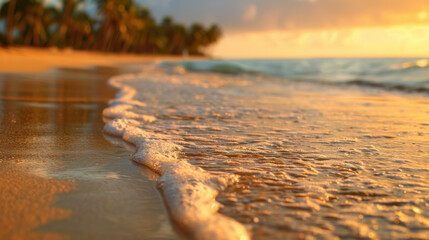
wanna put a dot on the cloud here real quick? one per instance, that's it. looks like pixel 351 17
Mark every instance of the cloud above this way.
pixel 257 15
pixel 308 28
pixel 357 42
pixel 250 13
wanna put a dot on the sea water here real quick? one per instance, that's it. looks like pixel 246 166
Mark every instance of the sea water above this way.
pixel 407 74
pixel 275 149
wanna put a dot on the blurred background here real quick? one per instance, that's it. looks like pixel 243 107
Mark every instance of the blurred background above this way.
pixel 105 25
pixel 249 28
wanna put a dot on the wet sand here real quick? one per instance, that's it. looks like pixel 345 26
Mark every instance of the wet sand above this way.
pixel 59 176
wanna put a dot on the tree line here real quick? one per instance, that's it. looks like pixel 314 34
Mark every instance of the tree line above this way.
pixel 118 26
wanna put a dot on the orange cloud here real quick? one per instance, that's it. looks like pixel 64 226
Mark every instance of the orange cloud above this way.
pixel 311 28
pixel 328 14
pixel 397 41
pixel 257 15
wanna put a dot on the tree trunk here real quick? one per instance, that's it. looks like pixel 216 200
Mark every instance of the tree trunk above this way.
pixel 126 46
pixel 65 21
pixel 28 36
pixel 37 28
pixel 78 38
pixel 9 22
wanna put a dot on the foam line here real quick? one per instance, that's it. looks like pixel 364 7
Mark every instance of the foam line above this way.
pixel 189 191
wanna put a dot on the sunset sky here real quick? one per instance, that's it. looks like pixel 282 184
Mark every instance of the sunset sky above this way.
pixel 308 28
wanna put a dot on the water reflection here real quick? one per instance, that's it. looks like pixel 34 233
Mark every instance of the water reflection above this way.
pixel 51 127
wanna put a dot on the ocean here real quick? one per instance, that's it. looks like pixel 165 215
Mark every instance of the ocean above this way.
pixel 284 148
pixel 406 74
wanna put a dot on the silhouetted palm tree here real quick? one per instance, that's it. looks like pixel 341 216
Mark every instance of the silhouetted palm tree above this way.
pixel 113 11
pixel 142 39
pixel 9 21
pixel 120 26
pixel 80 29
pixel 196 39
pixel 28 19
pixel 51 20
pixel 69 7
pixel 7 12
pixel 213 34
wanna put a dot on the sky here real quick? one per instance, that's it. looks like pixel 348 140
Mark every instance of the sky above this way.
pixel 305 28
pixel 308 28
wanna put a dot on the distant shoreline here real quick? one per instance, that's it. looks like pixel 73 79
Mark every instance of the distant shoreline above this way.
pixel 38 60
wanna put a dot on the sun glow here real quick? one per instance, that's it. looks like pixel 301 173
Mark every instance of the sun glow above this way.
pixel 398 41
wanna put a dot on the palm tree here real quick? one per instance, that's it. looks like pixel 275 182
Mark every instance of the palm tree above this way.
pixel 80 29
pixel 195 39
pixel 178 40
pixel 113 11
pixel 62 30
pixel 9 22
pixel 51 20
pixel 176 36
pixel 28 19
pixel 68 11
pixel 142 36
pixel 121 26
pixel 7 12
pixel 213 34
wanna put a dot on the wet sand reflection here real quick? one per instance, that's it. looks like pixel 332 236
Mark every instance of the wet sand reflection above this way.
pixel 50 126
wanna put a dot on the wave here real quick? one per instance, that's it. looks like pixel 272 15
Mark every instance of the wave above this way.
pixel 418 64
pixel 188 191
pixel 218 67
pixel 408 75
pixel 261 146
pixel 389 86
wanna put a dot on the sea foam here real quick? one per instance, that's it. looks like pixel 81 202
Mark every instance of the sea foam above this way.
pixel 188 190
pixel 287 159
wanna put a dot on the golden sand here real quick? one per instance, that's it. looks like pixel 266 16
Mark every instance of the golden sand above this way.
pixel 32 60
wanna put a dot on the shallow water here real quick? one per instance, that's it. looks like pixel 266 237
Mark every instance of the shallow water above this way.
pixel 301 160
pixel 51 128
pixel 401 74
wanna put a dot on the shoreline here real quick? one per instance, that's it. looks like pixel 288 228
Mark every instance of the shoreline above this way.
pixel 299 129
pixel 60 154
pixel 295 128
pixel 21 60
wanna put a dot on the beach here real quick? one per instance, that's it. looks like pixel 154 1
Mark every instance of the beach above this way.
pixel 245 152
pixel 34 60
pixel 59 176
pixel 214 120
pixel 215 149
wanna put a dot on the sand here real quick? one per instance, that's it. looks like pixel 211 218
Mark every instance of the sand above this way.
pixel 33 60
pixel 26 201
pixel 59 177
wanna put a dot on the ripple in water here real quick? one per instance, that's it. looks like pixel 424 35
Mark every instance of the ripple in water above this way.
pixel 310 161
